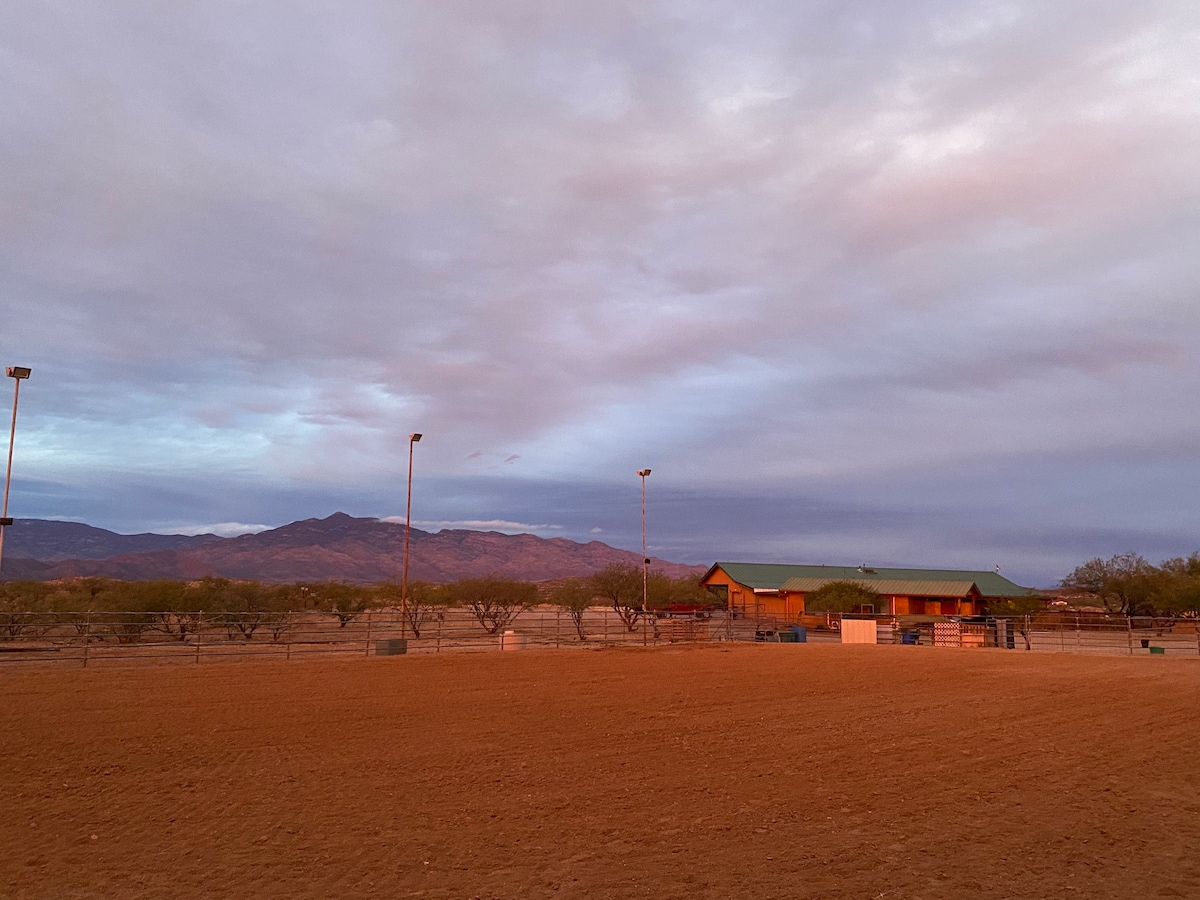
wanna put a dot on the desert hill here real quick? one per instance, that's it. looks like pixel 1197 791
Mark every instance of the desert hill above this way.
pixel 52 541
pixel 337 548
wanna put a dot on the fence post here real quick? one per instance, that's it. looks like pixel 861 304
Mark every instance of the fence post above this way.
pixel 87 636
pixel 557 623
pixel 370 618
pixel 287 647
pixel 1062 635
pixel 441 617
pixel 1129 631
pixel 199 633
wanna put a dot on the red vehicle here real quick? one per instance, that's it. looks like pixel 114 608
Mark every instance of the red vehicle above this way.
pixel 684 610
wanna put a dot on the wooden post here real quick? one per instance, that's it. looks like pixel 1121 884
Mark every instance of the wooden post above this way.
pixel 370 618
pixel 557 623
pixel 199 632
pixel 87 636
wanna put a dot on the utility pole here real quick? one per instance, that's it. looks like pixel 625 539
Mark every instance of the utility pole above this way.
pixel 412 439
pixel 645 559
pixel 17 374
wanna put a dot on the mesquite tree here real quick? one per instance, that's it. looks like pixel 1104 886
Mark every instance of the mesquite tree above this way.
pixel 841 597
pixel 494 602
pixel 574 595
pixel 621 585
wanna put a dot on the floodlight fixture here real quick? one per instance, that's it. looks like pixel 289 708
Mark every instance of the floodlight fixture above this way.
pixel 414 437
pixel 18 371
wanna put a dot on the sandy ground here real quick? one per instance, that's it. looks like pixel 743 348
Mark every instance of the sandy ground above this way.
pixel 716 771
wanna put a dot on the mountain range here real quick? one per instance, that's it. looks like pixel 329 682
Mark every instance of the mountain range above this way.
pixel 337 548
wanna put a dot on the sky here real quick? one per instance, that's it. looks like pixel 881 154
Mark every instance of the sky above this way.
pixel 903 283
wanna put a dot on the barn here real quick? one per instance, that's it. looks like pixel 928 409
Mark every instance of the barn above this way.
pixel 779 590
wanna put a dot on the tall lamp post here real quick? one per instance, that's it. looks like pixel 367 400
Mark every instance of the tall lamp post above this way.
pixel 17 374
pixel 645 559
pixel 412 439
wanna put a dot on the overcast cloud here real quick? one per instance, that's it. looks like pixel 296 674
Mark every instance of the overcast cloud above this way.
pixel 907 283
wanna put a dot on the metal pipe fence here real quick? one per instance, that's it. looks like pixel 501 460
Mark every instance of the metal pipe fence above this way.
pixel 115 638
pixel 1058 632
pixel 100 638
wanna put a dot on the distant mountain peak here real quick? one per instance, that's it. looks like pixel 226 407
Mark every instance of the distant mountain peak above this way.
pixel 53 540
pixel 339 547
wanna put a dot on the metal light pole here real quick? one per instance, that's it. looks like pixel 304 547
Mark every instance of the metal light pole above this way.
pixel 17 374
pixel 412 439
pixel 645 558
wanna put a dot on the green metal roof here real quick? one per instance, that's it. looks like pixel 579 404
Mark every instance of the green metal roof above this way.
pixel 887 587
pixel 771 576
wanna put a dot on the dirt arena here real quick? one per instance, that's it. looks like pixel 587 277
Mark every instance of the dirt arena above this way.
pixel 718 771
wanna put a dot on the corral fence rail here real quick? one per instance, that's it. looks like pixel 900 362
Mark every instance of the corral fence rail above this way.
pixel 107 638
pixel 1061 632
pixel 98 638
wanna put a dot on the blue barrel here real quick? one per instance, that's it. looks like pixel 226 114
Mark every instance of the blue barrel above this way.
pixel 800 634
